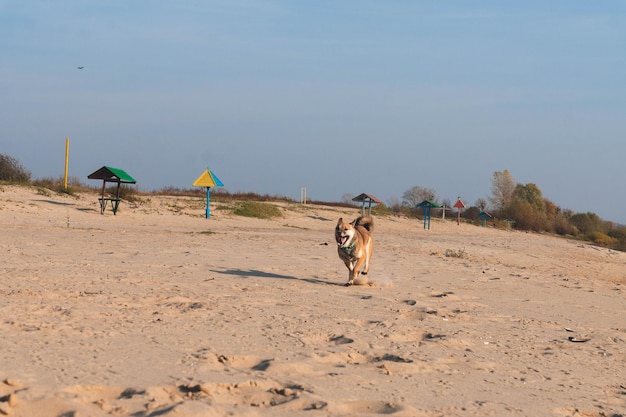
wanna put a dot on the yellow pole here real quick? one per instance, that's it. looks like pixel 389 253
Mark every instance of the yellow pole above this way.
pixel 67 157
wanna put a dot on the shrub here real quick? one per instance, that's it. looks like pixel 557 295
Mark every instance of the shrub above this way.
pixel 258 210
pixel 74 185
pixel 381 210
pixel 619 233
pixel 455 253
pixel 562 226
pixel 526 216
pixel 587 222
pixel 12 171
pixel 471 213
pixel 601 238
pixel 126 192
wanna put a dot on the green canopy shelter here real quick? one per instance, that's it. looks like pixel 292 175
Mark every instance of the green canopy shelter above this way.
pixel 208 179
pixel 115 175
pixel 427 205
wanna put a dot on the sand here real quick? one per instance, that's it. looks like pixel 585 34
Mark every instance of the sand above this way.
pixel 158 311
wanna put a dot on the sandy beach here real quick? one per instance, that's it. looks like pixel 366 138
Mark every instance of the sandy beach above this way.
pixel 157 311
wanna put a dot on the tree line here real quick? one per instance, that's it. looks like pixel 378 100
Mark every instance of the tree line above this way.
pixel 524 207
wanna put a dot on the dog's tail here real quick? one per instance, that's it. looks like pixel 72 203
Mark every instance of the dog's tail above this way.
pixel 365 221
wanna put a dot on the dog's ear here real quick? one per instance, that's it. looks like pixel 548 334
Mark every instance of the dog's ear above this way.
pixel 340 220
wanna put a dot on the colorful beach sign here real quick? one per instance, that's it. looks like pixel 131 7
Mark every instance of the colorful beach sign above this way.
pixel 459 205
pixel 208 179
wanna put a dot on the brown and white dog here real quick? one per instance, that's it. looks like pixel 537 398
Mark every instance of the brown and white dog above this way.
pixel 355 245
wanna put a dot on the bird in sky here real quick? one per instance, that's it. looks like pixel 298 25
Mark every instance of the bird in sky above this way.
pixel 80 67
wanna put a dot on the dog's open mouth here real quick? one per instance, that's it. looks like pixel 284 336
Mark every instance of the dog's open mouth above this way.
pixel 342 240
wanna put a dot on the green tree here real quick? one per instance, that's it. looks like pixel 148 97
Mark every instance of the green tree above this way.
pixel 529 193
pixel 586 223
pixel 527 208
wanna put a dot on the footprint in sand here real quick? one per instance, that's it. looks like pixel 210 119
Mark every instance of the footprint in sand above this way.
pixel 255 393
pixel 323 339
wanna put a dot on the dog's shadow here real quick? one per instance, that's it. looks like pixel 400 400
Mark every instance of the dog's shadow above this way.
pixel 262 274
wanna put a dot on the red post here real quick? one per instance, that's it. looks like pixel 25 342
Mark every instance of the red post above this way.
pixel 459 205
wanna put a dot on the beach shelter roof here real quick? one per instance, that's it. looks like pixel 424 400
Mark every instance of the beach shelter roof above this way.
pixel 367 198
pixel 110 174
pixel 208 179
pixel 459 204
pixel 428 204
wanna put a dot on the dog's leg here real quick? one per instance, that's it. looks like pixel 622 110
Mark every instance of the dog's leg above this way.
pixel 368 254
pixel 355 271
pixel 350 266
pixel 366 267
pixel 352 274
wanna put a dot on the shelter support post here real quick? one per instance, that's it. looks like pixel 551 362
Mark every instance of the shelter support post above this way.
pixel 208 202
pixel 427 217
pixel 102 206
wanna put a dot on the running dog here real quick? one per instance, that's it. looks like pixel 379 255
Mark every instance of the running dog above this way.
pixel 355 245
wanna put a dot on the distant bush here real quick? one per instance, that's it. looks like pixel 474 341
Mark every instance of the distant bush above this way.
pixel 181 192
pixel 381 210
pixel 526 216
pixel 619 233
pixel 587 222
pixel 74 185
pixel 600 238
pixel 218 194
pixel 126 192
pixel 257 209
pixel 562 226
pixel 471 213
pixel 224 195
pixel 12 171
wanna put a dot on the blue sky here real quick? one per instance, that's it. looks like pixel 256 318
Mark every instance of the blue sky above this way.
pixel 335 96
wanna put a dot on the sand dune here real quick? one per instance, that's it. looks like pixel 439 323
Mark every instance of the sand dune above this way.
pixel 158 311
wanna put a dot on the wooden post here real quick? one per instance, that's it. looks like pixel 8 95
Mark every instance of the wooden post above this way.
pixel 67 156
pixel 102 200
